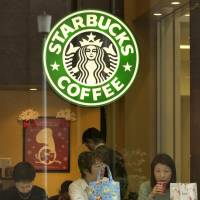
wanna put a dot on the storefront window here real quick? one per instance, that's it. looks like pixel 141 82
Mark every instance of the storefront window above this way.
pixel 153 116
pixel 174 88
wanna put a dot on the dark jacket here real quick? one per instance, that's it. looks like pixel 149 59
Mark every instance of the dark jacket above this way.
pixel 64 196
pixel 117 166
pixel 12 193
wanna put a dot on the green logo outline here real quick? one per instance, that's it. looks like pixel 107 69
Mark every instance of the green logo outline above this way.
pixel 97 103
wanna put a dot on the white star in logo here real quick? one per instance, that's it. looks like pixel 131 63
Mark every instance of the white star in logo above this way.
pixel 127 67
pixel 55 66
pixel 91 37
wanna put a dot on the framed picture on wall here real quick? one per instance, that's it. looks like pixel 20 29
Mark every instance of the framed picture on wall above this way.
pixel 46 144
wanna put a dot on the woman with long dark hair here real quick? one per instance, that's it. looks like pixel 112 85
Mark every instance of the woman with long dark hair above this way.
pixel 163 172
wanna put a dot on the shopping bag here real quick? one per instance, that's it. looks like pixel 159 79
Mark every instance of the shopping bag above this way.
pixel 183 191
pixel 104 188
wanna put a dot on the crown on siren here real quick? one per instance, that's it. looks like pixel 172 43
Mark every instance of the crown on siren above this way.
pixel 91 41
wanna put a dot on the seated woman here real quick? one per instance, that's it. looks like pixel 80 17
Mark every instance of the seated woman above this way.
pixel 23 175
pixel 163 172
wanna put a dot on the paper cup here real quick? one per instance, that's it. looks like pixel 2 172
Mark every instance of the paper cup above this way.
pixel 162 185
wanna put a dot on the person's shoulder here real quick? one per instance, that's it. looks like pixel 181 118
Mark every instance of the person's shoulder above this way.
pixel 144 191
pixel 39 193
pixel 79 181
pixel 109 149
pixel 38 189
pixel 146 185
pixel 110 153
pixel 104 148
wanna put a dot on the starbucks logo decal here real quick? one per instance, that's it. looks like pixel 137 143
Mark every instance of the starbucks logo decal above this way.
pixel 90 58
pixel 90 66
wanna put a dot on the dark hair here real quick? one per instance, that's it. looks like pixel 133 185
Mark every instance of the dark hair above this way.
pixel 23 171
pixel 85 161
pixel 65 186
pixel 92 134
pixel 165 160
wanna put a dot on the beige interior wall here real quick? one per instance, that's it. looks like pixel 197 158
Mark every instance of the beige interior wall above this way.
pixel 185 102
pixel 132 119
pixel 174 91
pixel 12 103
pixel 185 139
pixel 140 101
pixel 134 8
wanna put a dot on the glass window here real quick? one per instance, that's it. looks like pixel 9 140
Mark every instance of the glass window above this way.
pixel 40 127
pixel 174 89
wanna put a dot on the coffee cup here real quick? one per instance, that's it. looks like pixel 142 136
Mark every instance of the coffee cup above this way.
pixel 162 186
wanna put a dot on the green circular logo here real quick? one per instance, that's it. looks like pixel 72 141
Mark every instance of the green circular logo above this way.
pixel 90 58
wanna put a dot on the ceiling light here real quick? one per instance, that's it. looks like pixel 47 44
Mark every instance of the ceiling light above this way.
pixel 157 14
pixel 175 2
pixel 33 89
pixel 44 23
pixel 184 46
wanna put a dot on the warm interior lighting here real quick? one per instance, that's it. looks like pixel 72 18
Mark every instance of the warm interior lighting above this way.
pixel 184 46
pixel 187 15
pixel 157 14
pixel 175 2
pixel 33 89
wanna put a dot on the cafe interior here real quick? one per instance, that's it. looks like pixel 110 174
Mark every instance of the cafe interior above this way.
pixel 159 113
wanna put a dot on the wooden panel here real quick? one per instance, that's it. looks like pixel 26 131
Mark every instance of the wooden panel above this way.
pixel 56 7
pixel 16 6
pixel 14 24
pixel 195 92
pixel 13 60
pixel 100 5
pixel 118 8
pixel 21 44
pixel 112 6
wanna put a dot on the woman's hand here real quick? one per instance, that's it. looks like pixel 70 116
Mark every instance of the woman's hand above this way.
pixel 157 190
